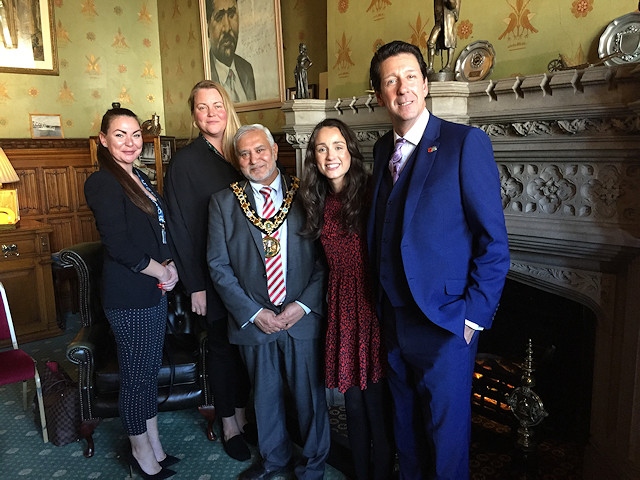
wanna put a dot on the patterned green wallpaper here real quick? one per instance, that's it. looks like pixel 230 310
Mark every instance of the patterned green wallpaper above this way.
pixel 147 54
pixel 526 34
pixel 108 51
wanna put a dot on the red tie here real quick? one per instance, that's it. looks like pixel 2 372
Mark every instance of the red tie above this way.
pixel 275 272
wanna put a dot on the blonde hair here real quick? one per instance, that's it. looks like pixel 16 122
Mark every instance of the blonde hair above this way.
pixel 233 122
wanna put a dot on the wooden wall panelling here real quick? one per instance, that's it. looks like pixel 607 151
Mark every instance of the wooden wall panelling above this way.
pixel 51 188
pixel 28 188
pixel 58 191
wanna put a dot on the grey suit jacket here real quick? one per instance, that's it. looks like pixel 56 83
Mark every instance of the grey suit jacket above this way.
pixel 236 263
pixel 245 74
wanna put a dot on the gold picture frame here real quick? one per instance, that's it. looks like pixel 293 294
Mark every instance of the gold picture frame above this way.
pixel 45 126
pixel 258 57
pixel 27 37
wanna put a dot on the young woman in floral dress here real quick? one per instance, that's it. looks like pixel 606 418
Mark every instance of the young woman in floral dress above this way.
pixel 335 194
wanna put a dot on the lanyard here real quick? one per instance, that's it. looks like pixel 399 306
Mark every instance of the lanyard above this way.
pixel 155 201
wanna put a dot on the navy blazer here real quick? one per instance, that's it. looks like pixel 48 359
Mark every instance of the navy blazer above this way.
pixel 236 262
pixel 454 245
pixel 130 238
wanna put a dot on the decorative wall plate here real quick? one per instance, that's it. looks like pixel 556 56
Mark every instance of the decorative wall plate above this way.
pixel 621 40
pixel 475 61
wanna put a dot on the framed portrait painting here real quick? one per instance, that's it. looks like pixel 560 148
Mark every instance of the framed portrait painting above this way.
pixel 242 49
pixel 28 45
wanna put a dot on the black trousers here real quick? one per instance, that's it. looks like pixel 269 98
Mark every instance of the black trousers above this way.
pixel 369 423
pixel 139 335
pixel 228 378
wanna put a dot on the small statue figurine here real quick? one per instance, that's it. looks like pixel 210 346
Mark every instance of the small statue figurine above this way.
pixel 151 127
pixel 443 37
pixel 303 63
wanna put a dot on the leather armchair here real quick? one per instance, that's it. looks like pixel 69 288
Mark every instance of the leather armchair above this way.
pixel 182 380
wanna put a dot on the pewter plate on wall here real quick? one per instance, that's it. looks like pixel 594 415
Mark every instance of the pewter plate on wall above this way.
pixel 621 40
pixel 475 61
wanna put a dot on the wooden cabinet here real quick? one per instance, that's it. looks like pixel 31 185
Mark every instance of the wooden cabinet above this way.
pixel 25 271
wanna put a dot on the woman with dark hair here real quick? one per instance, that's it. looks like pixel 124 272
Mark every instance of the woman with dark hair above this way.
pixel 131 218
pixel 196 172
pixel 335 195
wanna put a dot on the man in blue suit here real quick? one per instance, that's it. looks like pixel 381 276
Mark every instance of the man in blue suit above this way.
pixel 440 255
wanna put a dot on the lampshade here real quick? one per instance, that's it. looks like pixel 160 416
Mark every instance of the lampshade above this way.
pixel 7 173
pixel 9 209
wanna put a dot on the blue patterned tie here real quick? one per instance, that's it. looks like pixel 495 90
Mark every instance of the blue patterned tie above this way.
pixel 396 158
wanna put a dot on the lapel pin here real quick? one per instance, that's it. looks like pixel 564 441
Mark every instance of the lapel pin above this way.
pixel 432 149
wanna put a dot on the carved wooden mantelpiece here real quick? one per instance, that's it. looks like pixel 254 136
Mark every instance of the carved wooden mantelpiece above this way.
pixel 567 146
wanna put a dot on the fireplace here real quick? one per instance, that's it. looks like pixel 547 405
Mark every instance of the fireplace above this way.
pixel 562 332
pixel 567 147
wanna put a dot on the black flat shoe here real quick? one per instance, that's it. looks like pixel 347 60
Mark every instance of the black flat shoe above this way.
pixel 250 434
pixel 236 448
pixel 161 475
pixel 168 461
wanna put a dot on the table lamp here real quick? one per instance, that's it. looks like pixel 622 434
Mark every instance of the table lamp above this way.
pixel 9 210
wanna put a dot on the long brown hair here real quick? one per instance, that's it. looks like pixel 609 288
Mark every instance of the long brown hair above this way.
pixel 314 188
pixel 107 162
pixel 233 122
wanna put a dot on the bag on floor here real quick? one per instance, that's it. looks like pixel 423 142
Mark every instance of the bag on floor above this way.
pixel 61 399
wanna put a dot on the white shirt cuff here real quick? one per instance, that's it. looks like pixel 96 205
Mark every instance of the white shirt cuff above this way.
pixel 475 326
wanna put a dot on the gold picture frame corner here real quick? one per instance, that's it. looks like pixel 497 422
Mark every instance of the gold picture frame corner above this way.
pixel 44 44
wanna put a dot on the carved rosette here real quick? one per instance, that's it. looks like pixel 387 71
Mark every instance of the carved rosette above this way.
pixel 571 190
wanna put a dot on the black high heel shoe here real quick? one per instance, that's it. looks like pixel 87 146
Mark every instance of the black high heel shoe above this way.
pixel 161 475
pixel 168 461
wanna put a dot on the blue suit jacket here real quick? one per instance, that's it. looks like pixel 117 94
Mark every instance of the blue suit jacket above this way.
pixel 454 246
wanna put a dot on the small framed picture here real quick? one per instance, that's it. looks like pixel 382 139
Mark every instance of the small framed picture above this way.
pixel 148 154
pixel 168 148
pixel 46 126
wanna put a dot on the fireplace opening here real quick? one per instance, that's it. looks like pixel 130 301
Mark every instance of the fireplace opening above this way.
pixel 562 332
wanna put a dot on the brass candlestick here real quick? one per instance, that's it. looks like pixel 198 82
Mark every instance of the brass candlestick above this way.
pixel 526 405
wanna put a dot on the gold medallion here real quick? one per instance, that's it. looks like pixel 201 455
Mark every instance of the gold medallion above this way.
pixel 271 246
pixel 268 226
